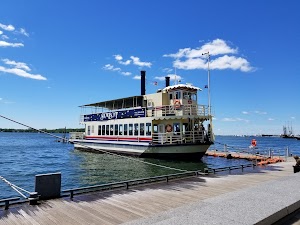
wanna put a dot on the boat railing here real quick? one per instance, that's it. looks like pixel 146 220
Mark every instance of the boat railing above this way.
pixel 178 110
pixel 180 137
pixel 76 135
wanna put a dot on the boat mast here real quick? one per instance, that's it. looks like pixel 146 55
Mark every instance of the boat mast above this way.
pixel 208 80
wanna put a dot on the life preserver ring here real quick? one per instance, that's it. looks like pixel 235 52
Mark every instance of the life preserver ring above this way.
pixel 253 142
pixel 177 104
pixel 169 128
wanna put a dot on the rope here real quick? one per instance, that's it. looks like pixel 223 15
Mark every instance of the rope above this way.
pixel 106 152
pixel 15 187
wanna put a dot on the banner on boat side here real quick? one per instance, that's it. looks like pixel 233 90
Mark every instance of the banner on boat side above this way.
pixel 131 113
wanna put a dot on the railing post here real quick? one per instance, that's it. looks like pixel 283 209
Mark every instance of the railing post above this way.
pixel 127 185
pixel 6 204
pixel 71 194
pixel 167 179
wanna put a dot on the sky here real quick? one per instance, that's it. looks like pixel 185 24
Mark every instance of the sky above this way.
pixel 58 55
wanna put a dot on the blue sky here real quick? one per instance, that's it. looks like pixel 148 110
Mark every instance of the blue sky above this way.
pixel 58 55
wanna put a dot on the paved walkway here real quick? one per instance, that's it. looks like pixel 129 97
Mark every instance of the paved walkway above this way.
pixel 262 197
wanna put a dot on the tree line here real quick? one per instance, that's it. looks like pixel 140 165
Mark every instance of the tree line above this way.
pixel 59 130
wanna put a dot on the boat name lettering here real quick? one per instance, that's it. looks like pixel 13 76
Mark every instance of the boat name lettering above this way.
pixel 121 114
pixel 109 115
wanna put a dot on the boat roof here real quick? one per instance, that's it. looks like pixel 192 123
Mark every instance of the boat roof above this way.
pixel 121 103
pixel 188 87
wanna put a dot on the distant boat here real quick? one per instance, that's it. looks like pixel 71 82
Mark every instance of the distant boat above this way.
pixel 287 132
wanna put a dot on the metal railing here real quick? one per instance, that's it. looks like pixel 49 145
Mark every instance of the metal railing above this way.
pixel 178 110
pixel 180 137
pixel 76 135
pixel 229 168
pixel 8 201
pixel 128 183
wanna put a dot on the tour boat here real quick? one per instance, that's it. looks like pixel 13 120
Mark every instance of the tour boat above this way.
pixel 167 124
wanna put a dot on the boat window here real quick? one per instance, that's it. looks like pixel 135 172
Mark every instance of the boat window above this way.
pixel 107 130
pixel 184 128
pixel 99 130
pixel 125 129
pixel 142 129
pixel 178 95
pixel 116 129
pixel 130 129
pixel 171 96
pixel 148 129
pixel 136 129
pixel 176 128
pixel 92 129
pixel 111 131
pixel 120 129
pixel 155 128
pixel 103 129
pixel 194 97
pixel 89 130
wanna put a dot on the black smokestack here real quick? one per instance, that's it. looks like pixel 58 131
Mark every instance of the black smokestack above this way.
pixel 143 82
pixel 167 81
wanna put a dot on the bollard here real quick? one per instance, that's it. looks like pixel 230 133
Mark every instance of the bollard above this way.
pixel 296 169
pixel 33 198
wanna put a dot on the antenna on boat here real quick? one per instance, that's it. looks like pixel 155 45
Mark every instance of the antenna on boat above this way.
pixel 175 76
pixel 208 80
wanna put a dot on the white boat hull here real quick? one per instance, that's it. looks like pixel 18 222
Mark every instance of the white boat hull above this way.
pixel 195 150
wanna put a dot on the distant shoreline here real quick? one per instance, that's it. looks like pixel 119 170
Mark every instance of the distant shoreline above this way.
pixel 59 130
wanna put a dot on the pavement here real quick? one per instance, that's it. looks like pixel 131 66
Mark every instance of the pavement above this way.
pixel 276 201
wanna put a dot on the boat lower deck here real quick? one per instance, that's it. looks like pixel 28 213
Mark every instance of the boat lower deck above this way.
pixel 165 202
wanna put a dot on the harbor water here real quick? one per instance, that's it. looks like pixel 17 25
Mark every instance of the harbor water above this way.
pixel 24 155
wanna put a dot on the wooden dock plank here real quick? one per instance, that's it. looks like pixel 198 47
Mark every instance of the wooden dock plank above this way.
pixel 116 207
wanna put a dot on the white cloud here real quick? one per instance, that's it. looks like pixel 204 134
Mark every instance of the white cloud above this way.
pixel 292 117
pixel 7 27
pixel 119 58
pixel 234 120
pixel 23 31
pixel 20 69
pixel 244 112
pixel 111 67
pixel 1 99
pixel 126 73
pixel 136 61
pixel 1 32
pixel 231 62
pixel 260 113
pixel 271 119
pixel 136 77
pixel 7 44
pixel 22 73
pixel 167 70
pixel 19 65
pixel 4 37
pixel 172 77
pixel 190 59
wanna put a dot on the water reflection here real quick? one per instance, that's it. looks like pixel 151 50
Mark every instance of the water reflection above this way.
pixel 103 168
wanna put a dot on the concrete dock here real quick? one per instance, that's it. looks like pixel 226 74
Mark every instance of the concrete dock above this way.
pixel 260 196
